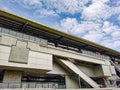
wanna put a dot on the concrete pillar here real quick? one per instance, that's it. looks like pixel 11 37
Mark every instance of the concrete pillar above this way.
pixel 12 76
pixel 71 83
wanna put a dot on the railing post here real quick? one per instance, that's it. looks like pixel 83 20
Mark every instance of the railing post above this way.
pixel 79 80
pixel 8 85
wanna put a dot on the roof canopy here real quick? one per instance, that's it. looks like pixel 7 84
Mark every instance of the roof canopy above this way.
pixel 20 24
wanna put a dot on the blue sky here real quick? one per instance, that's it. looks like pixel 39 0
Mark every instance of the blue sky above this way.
pixel 94 20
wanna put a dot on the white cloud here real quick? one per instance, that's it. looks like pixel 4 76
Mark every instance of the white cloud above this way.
pixel 94 36
pixel 70 6
pixel 112 44
pixel 116 44
pixel 32 2
pixel 118 18
pixel 97 10
pixel 115 10
pixel 59 6
pixel 116 34
pixel 72 26
pixel 117 2
pixel 103 1
pixel 86 29
pixel 110 28
pixel 69 25
pixel 100 10
pixel 45 12
pixel 29 4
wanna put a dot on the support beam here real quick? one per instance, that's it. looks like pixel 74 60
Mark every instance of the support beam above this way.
pixel 79 82
pixel 57 40
pixel 83 46
pixel 103 51
pixel 80 50
pixel 23 26
pixel 112 58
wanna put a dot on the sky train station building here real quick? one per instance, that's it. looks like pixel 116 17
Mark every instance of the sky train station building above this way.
pixel 36 56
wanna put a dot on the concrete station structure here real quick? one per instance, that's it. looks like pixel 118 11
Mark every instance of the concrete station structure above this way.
pixel 36 56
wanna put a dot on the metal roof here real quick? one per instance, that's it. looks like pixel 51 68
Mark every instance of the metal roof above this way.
pixel 20 24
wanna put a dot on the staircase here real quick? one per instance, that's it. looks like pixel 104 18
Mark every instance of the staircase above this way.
pixel 76 70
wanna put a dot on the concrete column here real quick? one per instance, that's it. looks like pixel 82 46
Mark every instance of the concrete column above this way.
pixel 12 76
pixel 71 83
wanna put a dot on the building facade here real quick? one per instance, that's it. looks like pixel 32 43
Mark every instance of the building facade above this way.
pixel 36 56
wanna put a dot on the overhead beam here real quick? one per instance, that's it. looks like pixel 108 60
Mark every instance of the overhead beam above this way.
pixel 57 40
pixel 83 46
pixel 112 58
pixel 80 50
pixel 102 51
pixel 24 26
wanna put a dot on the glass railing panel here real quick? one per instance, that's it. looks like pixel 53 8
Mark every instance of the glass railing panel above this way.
pixel 4 85
pixel 39 85
pixel 31 85
pixel 14 85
